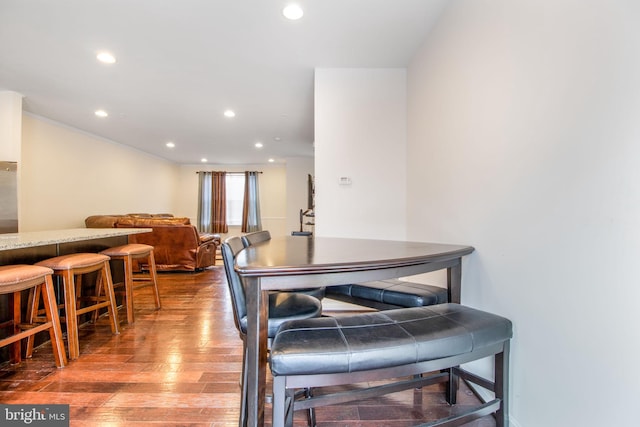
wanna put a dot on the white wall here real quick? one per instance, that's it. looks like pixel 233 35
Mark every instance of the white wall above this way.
pixel 360 133
pixel 10 125
pixel 273 194
pixel 66 175
pixel 523 141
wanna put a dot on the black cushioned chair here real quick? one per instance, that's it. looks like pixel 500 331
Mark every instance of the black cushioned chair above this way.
pixel 382 294
pixel 264 235
pixel 283 306
pixel 398 345
pixel 388 294
pixel 255 237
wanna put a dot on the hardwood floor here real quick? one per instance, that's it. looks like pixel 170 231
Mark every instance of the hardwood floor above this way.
pixel 180 366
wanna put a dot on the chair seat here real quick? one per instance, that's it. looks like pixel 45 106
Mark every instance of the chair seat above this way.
pixel 396 293
pixel 317 293
pixel 14 278
pixel 68 262
pixel 383 339
pixel 285 306
pixel 130 249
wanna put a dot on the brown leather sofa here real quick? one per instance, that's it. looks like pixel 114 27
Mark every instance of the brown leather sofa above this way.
pixel 177 244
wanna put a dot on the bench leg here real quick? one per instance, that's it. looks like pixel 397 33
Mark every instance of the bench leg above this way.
pixel 311 412
pixel 451 391
pixel 281 407
pixel 502 386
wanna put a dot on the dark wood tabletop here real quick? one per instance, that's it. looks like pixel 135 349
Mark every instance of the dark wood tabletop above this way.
pixel 293 255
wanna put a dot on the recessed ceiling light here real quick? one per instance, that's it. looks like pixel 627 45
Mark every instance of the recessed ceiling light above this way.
pixel 203 160
pixel 293 12
pixel 229 113
pixel 259 145
pixel 170 144
pixel 101 113
pixel 271 160
pixel 106 58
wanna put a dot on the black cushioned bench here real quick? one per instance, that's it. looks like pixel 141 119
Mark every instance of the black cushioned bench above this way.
pixel 407 342
pixel 388 294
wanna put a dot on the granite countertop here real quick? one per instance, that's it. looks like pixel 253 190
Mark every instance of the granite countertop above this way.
pixel 51 237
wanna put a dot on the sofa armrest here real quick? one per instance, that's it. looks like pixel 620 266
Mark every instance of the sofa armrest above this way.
pixel 207 237
pixel 102 221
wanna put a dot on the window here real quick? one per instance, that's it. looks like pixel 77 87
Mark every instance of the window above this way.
pixel 235 198
pixel 224 205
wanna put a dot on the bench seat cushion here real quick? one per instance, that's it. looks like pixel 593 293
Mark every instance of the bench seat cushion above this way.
pixel 383 339
pixel 393 292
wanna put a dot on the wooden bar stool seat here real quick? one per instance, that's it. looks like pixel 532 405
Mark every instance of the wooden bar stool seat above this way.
pixel 127 254
pixel 13 280
pixel 71 268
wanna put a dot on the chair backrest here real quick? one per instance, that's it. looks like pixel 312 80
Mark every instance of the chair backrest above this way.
pixel 230 249
pixel 255 237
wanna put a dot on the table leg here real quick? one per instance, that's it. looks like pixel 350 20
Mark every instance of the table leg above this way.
pixel 257 315
pixel 454 282
pixel 454 286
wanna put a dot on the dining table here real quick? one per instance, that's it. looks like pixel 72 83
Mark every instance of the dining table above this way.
pixel 293 262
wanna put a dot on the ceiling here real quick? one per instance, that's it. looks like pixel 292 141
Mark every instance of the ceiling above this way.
pixel 181 63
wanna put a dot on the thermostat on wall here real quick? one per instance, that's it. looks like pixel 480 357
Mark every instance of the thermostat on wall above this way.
pixel 344 180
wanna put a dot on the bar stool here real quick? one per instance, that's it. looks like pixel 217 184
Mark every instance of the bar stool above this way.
pixel 13 280
pixel 70 269
pixel 127 254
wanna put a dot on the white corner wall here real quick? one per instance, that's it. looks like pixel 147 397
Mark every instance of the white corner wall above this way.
pixel 360 134
pixel 66 175
pixel 523 141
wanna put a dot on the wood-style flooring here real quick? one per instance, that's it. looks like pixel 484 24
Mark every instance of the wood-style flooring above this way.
pixel 180 366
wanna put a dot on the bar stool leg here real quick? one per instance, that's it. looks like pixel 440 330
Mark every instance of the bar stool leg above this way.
pixel 111 297
pixel 16 347
pixel 154 278
pixel 51 310
pixel 32 313
pixel 128 287
pixel 71 317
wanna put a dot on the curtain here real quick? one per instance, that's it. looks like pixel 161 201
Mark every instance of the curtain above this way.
pixel 219 203
pixel 212 202
pixel 204 202
pixel 251 206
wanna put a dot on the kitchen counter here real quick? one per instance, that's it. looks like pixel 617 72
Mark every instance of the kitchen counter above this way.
pixel 31 239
